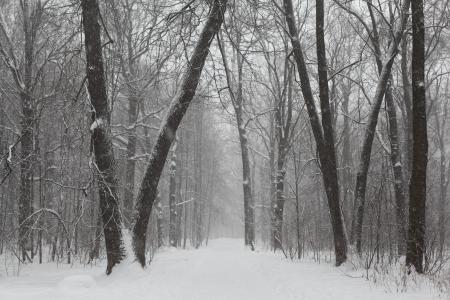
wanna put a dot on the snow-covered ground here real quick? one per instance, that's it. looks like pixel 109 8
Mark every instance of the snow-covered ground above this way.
pixel 222 271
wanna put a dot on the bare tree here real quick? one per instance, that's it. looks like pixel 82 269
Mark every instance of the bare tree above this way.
pixel 238 100
pixel 323 133
pixel 147 192
pixel 418 185
pixel 364 162
pixel 101 139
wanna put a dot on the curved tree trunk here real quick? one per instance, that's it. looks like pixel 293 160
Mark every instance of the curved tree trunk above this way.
pixel 364 163
pixel 394 143
pixel 323 136
pixel 177 110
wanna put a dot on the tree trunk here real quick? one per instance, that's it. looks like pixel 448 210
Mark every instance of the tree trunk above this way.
pixel 407 99
pixel 159 221
pixel 249 218
pixel 443 182
pixel 278 207
pixel 394 143
pixel 100 134
pixel 177 110
pixel 347 165
pixel 237 99
pixel 130 154
pixel 31 21
pixel 418 185
pixel 26 166
pixel 197 216
pixel 173 236
pixel 399 181
pixel 364 162
pixel 325 146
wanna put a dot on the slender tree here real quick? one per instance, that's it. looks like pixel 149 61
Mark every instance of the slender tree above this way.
pixel 323 133
pixel 382 85
pixel 173 211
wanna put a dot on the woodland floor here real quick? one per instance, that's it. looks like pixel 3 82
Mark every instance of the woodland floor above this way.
pixel 222 271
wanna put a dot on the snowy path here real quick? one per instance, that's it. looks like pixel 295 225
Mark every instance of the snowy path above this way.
pixel 222 271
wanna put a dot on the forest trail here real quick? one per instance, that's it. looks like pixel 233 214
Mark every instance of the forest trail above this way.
pixel 224 270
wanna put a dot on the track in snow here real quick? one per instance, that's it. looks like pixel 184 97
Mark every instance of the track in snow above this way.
pixel 222 271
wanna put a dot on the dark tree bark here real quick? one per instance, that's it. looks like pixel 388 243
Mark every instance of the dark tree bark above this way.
pixel 364 162
pixel 159 221
pixel 177 110
pixel 100 134
pixel 249 218
pixel 394 143
pixel 323 136
pixel 418 185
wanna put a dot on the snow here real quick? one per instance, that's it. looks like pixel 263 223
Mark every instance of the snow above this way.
pixel 9 159
pixel 223 270
pixel 98 123
pixel 173 164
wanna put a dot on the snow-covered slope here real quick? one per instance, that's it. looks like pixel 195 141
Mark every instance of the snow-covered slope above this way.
pixel 222 271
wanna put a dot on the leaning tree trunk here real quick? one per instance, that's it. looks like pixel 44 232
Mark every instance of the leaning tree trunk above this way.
pixel 364 162
pixel 407 99
pixel 325 146
pixel 100 134
pixel 329 163
pixel 418 185
pixel 177 110
pixel 394 143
